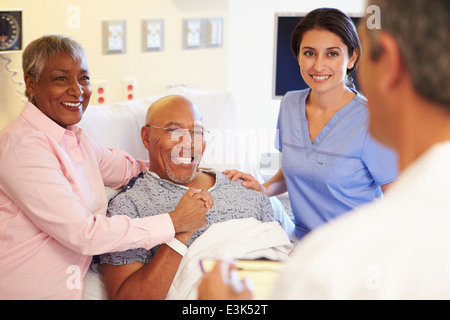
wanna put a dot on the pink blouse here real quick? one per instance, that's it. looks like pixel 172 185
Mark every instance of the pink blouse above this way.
pixel 53 206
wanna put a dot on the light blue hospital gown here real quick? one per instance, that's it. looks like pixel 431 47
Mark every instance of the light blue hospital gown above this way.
pixel 150 195
pixel 343 168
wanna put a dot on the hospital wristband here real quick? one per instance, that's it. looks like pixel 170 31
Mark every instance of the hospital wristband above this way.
pixel 178 246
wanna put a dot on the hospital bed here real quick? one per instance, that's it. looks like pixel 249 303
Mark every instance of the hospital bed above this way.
pixel 118 125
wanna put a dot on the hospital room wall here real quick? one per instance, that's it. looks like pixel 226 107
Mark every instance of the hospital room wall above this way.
pixel 243 65
pixel 205 68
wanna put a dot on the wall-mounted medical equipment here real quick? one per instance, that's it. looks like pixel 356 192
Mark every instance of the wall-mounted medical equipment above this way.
pixel 10 30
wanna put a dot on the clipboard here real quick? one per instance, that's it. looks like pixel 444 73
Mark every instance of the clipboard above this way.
pixel 263 274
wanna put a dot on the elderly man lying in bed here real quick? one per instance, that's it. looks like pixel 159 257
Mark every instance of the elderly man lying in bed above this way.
pixel 174 136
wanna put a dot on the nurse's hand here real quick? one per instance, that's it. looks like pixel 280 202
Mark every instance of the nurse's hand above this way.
pixel 248 180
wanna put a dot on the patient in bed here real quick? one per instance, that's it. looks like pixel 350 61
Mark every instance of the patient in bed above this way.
pixel 174 136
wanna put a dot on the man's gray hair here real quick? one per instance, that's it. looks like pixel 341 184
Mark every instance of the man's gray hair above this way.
pixel 37 54
pixel 421 29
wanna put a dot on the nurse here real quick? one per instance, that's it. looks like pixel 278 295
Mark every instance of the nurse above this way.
pixel 330 164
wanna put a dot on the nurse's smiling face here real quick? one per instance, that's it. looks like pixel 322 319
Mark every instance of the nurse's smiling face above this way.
pixel 324 60
pixel 63 89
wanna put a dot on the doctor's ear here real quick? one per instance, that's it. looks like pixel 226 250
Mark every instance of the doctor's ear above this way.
pixel 391 61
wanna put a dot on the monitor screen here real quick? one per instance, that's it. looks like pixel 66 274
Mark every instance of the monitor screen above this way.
pixel 286 72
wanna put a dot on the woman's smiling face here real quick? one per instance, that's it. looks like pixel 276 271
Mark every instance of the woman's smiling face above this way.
pixel 63 90
pixel 324 60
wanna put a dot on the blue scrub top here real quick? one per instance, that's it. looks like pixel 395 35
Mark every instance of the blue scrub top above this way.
pixel 343 168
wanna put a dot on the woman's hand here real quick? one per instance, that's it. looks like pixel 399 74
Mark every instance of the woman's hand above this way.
pixel 216 285
pixel 248 180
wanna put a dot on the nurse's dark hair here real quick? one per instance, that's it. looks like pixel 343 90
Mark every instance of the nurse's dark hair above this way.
pixel 37 54
pixel 332 20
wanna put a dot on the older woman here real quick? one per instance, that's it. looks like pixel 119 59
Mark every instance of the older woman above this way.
pixel 52 177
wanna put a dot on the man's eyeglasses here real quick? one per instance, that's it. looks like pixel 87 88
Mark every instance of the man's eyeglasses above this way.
pixel 180 132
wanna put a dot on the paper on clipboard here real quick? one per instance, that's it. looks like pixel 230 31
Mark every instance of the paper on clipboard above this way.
pixel 263 274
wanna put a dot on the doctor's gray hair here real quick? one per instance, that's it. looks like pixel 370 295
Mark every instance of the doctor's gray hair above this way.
pixel 421 30
pixel 37 54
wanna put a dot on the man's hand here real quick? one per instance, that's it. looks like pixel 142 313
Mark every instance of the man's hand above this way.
pixel 190 213
pixel 184 236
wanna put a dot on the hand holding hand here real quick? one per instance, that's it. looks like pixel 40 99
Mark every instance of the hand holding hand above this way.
pixel 190 213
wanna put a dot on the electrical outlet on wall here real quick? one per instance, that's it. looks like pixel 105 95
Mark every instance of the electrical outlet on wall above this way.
pixel 214 32
pixel 193 33
pixel 152 35
pixel 202 33
pixel 129 88
pixel 114 37
pixel 100 92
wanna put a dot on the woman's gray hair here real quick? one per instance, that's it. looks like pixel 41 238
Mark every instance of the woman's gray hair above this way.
pixel 421 30
pixel 37 54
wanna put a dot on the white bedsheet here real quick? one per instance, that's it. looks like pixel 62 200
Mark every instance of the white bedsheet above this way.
pixel 241 238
